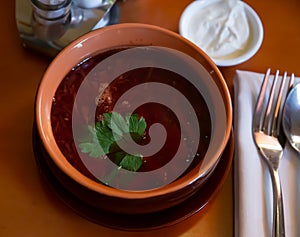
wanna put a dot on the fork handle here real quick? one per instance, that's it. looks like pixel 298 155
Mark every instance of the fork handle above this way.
pixel 278 214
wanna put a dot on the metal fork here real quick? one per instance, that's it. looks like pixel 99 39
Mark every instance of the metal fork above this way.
pixel 269 138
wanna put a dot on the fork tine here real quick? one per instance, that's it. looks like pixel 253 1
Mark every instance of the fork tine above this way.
pixel 260 109
pixel 286 85
pixel 270 112
pixel 281 98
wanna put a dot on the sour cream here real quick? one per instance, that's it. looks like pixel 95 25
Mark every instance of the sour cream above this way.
pixel 219 27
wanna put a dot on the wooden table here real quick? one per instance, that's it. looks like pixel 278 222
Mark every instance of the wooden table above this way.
pixel 26 209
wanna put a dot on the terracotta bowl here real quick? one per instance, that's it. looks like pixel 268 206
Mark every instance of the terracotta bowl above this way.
pixel 208 83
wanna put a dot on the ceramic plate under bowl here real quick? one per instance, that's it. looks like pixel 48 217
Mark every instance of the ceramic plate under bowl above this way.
pixel 198 202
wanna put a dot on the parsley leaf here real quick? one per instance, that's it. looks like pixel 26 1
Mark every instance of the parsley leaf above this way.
pixel 104 136
pixel 116 123
pixel 93 147
pixel 111 129
pixel 136 125
pixel 131 162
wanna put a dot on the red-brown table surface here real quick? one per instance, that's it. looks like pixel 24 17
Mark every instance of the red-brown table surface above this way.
pixel 25 208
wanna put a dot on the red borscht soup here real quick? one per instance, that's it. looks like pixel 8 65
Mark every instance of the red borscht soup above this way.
pixel 103 95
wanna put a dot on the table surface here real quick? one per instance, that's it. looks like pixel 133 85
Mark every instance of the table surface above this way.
pixel 26 209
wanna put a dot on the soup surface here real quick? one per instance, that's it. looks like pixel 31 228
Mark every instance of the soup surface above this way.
pixel 103 95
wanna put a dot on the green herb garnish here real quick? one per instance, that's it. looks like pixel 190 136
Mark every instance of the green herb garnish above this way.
pixel 112 129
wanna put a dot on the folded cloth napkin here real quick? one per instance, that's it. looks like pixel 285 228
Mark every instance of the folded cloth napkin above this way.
pixel 253 190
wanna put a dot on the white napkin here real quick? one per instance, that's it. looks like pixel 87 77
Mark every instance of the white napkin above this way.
pixel 253 197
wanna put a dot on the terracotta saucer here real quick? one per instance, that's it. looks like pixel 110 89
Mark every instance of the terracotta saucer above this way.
pixel 143 222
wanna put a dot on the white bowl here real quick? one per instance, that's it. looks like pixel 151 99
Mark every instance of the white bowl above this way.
pixel 190 19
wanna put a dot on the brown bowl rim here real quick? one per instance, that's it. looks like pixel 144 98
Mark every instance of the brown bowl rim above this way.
pixel 66 167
